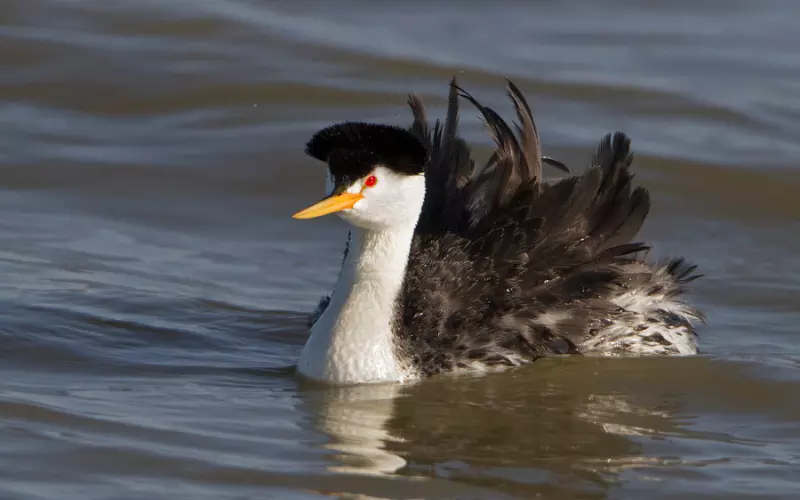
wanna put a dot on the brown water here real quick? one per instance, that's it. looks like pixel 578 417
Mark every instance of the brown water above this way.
pixel 154 287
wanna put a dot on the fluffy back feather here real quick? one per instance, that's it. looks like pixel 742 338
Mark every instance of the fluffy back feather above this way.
pixel 507 268
pixel 506 200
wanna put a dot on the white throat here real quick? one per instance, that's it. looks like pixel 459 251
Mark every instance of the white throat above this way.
pixel 353 342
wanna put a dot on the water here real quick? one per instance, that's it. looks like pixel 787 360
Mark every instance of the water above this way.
pixel 155 288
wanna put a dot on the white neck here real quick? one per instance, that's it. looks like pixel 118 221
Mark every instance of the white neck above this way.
pixel 352 342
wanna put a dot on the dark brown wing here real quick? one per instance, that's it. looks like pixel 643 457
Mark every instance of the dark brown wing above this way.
pixel 505 267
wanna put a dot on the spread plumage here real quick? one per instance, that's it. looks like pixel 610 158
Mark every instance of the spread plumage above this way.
pixel 505 268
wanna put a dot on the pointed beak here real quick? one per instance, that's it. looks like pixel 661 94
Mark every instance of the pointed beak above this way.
pixel 333 203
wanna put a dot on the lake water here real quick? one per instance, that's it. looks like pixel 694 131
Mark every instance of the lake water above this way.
pixel 154 288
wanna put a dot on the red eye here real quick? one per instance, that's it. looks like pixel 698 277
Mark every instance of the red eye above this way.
pixel 371 181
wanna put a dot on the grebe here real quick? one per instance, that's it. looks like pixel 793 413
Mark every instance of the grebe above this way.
pixel 450 268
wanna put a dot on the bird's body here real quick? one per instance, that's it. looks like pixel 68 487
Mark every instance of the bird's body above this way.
pixel 451 268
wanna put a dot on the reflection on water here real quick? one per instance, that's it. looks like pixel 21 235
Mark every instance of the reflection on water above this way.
pixel 562 429
pixel 356 420
pixel 154 286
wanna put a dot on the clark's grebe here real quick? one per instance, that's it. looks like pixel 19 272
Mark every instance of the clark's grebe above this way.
pixel 451 268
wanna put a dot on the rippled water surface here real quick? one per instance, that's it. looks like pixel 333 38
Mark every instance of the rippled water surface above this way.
pixel 154 287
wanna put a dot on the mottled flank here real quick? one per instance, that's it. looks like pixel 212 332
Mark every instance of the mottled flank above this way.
pixel 506 268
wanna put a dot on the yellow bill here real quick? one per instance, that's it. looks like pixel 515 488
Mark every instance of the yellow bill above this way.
pixel 329 205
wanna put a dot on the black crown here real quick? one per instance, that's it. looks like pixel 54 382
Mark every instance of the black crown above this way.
pixel 353 149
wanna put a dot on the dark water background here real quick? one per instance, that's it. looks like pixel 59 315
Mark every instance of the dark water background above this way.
pixel 154 288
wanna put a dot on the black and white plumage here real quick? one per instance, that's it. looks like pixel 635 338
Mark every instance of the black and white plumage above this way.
pixel 490 267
